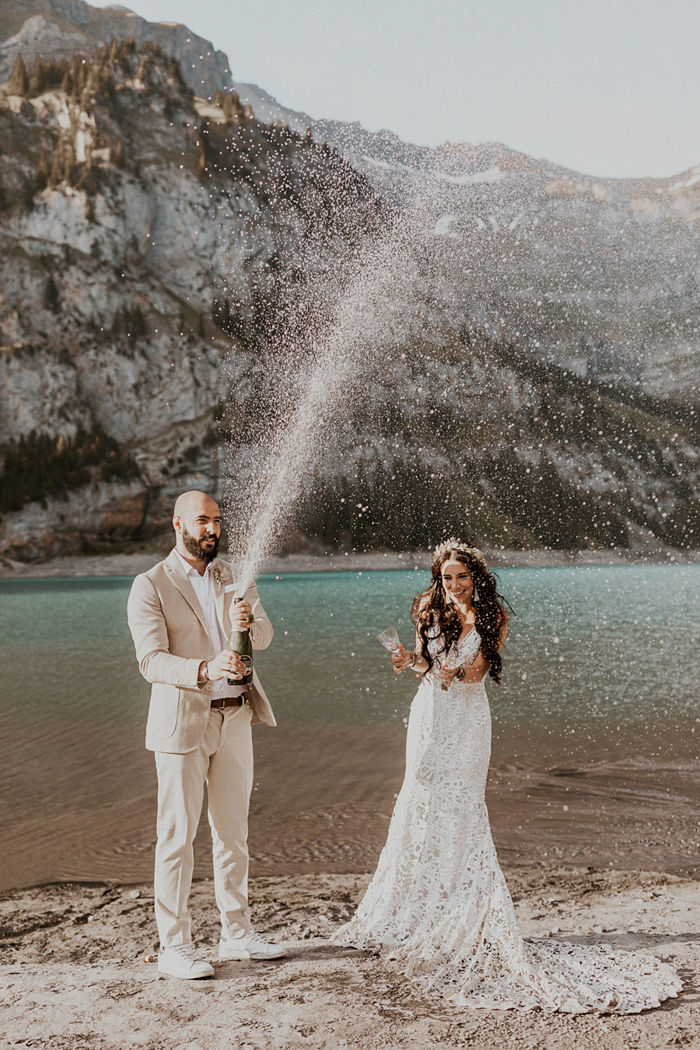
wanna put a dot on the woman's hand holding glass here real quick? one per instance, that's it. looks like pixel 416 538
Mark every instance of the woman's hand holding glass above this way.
pixel 401 659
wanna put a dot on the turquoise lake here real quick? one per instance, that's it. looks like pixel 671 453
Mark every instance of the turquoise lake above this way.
pixel 601 664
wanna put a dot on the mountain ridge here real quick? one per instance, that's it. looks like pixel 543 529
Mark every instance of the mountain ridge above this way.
pixel 85 27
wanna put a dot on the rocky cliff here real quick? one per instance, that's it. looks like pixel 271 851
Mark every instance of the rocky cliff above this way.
pixel 145 236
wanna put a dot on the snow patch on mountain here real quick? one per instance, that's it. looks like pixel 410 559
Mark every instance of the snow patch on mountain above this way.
pixel 490 175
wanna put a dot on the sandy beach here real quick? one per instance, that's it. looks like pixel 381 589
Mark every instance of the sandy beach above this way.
pixel 74 976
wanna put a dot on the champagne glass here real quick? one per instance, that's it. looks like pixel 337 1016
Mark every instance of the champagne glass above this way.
pixel 390 639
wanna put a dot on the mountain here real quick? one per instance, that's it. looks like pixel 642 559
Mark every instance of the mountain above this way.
pixel 170 264
pixel 56 29
pixel 596 275
pixel 599 276
pixel 145 238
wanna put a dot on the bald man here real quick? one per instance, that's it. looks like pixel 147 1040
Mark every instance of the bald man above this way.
pixel 180 613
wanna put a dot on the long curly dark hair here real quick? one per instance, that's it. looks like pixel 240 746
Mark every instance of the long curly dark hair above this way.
pixel 436 618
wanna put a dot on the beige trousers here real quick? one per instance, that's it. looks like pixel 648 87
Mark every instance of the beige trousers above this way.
pixel 224 759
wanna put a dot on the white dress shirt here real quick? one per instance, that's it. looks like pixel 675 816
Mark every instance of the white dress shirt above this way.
pixel 204 589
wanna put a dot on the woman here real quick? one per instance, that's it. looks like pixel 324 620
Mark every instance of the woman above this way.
pixel 438 902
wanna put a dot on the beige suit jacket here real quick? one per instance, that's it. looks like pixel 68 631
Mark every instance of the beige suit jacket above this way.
pixel 171 640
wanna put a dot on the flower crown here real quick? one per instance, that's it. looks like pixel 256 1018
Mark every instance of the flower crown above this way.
pixel 454 544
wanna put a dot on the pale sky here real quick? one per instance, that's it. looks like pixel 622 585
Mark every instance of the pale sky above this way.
pixel 607 87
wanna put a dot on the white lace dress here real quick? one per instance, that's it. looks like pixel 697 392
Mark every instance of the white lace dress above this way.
pixel 438 903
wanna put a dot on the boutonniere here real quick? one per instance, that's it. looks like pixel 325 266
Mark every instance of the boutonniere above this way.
pixel 217 574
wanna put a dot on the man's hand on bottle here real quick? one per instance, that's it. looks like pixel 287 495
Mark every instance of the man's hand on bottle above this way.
pixel 241 615
pixel 226 665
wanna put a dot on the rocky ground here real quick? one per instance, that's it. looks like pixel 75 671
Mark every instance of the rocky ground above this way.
pixel 75 975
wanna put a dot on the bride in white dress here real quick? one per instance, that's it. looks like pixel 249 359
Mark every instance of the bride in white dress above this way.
pixel 438 904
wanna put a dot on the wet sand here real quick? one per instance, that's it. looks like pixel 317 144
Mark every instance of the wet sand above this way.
pixel 620 810
pixel 74 975
pixel 322 803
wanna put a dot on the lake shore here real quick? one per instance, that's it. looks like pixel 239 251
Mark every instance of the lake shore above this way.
pixel 595 824
pixel 129 564
pixel 74 975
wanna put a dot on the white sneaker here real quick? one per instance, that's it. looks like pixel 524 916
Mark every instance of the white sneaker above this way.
pixel 181 961
pixel 252 946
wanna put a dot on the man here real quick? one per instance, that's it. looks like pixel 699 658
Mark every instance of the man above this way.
pixel 199 726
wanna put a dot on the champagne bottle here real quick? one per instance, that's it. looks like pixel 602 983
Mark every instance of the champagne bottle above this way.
pixel 240 642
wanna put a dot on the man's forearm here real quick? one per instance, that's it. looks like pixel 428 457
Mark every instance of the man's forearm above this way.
pixel 261 633
pixel 163 668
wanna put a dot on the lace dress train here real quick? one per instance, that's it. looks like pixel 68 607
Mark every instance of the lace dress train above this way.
pixel 438 904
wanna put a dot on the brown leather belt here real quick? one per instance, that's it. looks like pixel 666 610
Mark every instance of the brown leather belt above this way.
pixel 229 701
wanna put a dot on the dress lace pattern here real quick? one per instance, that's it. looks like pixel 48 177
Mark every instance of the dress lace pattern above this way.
pixel 438 904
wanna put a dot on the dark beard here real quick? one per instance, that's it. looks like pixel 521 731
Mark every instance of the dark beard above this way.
pixel 193 547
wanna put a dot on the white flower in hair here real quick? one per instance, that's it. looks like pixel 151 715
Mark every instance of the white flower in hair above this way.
pixel 454 544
